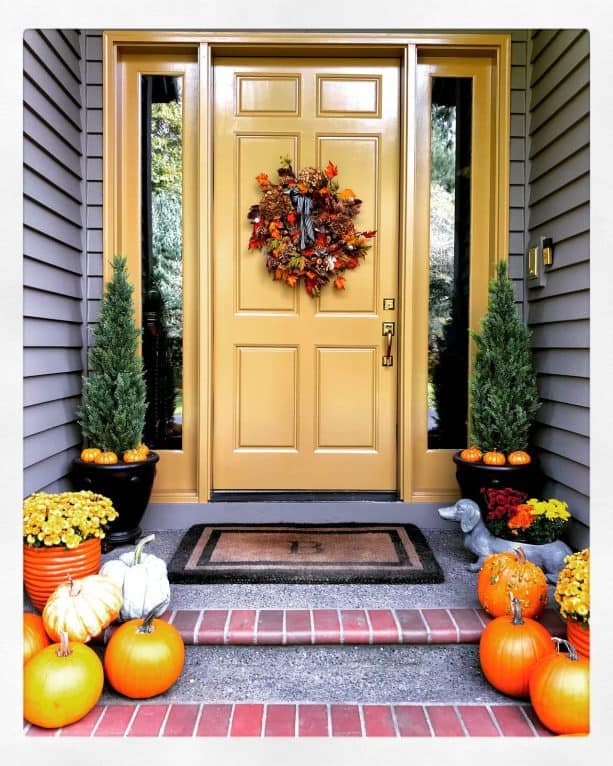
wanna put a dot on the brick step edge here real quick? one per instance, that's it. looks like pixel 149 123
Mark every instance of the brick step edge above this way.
pixel 249 719
pixel 286 627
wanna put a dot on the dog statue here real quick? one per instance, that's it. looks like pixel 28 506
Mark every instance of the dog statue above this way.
pixel 479 540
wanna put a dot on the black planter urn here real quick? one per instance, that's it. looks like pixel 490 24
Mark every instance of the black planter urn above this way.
pixel 128 485
pixel 473 477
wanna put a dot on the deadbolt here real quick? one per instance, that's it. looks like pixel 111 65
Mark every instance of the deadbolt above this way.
pixel 389 304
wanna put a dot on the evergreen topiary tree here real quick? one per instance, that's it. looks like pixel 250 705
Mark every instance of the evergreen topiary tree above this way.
pixel 504 395
pixel 112 412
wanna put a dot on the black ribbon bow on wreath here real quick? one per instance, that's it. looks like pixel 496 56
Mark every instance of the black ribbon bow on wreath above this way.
pixel 304 207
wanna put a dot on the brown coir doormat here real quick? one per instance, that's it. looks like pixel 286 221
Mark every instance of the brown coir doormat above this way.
pixel 292 553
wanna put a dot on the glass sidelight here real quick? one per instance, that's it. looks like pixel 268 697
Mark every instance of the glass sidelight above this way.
pixel 162 257
pixel 456 240
pixel 448 295
pixel 153 221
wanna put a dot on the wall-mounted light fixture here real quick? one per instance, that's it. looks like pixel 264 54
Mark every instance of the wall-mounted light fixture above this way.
pixel 547 245
pixel 539 257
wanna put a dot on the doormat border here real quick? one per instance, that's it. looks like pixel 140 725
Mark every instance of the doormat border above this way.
pixel 431 573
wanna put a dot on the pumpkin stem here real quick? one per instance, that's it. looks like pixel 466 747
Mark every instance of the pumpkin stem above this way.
pixel 518 618
pixel 138 551
pixel 570 649
pixel 74 589
pixel 520 555
pixel 64 649
pixel 147 626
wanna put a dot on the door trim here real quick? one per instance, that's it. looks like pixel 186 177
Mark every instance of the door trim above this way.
pixel 208 44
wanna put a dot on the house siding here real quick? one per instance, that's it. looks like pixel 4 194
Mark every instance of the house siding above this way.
pixel 53 245
pixel 558 206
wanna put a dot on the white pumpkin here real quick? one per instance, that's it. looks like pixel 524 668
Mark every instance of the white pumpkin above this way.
pixel 143 579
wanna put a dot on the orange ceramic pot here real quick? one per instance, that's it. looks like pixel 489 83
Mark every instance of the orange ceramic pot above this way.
pixel 579 637
pixel 45 568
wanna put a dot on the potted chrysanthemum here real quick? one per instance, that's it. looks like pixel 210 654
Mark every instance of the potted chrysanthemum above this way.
pixel 513 516
pixel 572 593
pixel 61 536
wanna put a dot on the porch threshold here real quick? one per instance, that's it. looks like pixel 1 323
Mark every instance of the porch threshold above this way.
pixel 282 496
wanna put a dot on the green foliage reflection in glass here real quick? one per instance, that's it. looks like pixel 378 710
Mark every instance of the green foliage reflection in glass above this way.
pixel 450 155
pixel 163 260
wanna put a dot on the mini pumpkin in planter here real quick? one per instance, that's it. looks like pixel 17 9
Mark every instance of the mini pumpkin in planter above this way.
pixel 143 579
pixel 112 413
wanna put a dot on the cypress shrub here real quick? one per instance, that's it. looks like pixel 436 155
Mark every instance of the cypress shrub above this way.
pixel 503 391
pixel 113 404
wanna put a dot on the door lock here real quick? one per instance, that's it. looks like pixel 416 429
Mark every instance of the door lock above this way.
pixel 389 329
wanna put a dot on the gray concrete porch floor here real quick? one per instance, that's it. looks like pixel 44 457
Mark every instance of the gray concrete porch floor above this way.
pixel 457 590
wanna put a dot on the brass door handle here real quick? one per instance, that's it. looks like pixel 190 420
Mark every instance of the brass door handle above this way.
pixel 388 332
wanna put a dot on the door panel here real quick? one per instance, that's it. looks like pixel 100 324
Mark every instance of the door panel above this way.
pixel 301 399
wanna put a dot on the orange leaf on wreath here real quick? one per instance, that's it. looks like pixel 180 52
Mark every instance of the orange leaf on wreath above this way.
pixel 278 273
pixel 292 280
pixel 263 180
pixel 339 283
pixel 346 194
pixel 331 170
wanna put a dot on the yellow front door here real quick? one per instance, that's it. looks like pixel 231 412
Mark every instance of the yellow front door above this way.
pixel 301 399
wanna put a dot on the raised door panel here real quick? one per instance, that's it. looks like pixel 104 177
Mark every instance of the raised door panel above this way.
pixel 256 290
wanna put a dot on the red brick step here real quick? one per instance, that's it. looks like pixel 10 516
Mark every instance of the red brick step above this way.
pixel 336 626
pixel 302 720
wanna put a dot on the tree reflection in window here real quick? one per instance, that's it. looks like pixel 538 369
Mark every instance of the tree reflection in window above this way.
pixel 162 257
pixel 451 131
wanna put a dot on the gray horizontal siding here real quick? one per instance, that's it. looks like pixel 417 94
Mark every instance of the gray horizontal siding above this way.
pixel 53 185
pixel 93 138
pixel 558 206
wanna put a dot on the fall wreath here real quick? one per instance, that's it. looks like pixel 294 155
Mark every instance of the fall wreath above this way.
pixel 303 224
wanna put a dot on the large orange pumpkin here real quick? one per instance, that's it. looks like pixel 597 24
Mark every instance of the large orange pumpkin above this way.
pixel 560 691
pixel 519 457
pixel 510 572
pixel 35 637
pixel 144 657
pixel 494 458
pixel 83 608
pixel 471 454
pixel 508 649
pixel 61 684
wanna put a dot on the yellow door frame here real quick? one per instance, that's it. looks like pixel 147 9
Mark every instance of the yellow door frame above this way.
pixel 407 47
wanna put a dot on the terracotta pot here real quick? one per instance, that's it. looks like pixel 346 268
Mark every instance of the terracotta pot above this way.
pixel 579 637
pixel 45 568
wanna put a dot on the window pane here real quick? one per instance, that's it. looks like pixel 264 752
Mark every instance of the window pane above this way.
pixel 449 262
pixel 162 258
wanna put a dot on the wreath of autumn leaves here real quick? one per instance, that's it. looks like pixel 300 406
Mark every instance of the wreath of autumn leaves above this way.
pixel 303 224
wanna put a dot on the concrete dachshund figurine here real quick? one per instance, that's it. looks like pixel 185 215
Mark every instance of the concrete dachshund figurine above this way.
pixel 479 540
